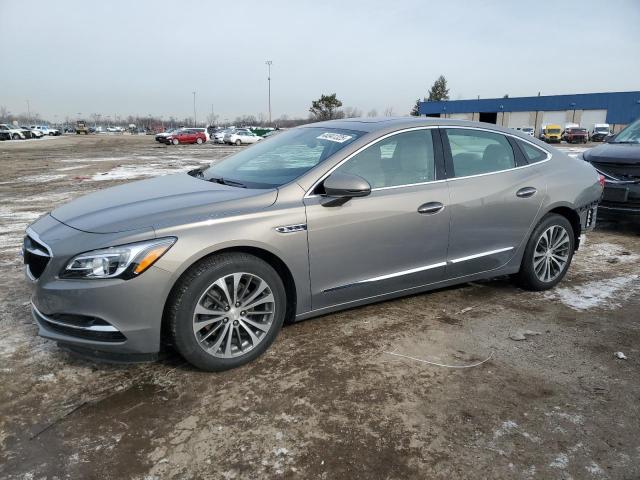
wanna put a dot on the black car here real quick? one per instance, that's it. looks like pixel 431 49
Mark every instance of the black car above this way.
pixel 5 135
pixel 618 161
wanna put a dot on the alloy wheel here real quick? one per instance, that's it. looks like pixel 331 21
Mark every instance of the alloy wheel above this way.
pixel 234 315
pixel 551 254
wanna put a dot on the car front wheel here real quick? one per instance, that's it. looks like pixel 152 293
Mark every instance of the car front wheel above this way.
pixel 548 254
pixel 199 141
pixel 226 311
pixel 175 141
pixel 238 142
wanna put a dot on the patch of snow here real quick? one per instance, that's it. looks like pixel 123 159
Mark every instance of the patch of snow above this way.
pixel 594 469
pixel 561 461
pixel 41 178
pixel 74 167
pixel 506 427
pixel 597 294
pixel 127 172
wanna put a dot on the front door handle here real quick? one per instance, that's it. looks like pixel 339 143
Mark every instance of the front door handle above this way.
pixel 526 192
pixel 430 208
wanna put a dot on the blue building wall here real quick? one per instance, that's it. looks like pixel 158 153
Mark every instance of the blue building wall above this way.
pixel 622 107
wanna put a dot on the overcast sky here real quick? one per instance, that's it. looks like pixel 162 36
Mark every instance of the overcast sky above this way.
pixel 146 57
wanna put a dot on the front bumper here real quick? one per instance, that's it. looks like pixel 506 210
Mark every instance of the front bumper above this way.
pixel 621 199
pixel 105 315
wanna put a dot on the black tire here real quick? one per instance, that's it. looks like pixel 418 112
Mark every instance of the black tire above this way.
pixel 238 143
pixel 15 136
pixel 526 277
pixel 199 141
pixel 191 287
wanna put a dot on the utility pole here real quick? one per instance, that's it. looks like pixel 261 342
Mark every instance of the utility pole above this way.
pixel 28 112
pixel 268 63
pixel 194 109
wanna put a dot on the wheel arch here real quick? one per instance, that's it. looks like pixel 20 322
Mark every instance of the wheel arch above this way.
pixel 573 217
pixel 269 257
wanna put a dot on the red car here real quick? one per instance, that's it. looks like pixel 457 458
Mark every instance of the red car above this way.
pixel 188 135
pixel 576 135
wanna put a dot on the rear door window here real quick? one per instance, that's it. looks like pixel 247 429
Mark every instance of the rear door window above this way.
pixel 474 152
pixel 531 153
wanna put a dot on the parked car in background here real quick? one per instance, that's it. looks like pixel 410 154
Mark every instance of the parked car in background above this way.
pixel 241 136
pixel 528 130
pixel 567 126
pixel 320 218
pixel 4 135
pixel 41 128
pixel 81 127
pixel 576 135
pixel 619 161
pixel 16 133
pixel 27 133
pixel 35 133
pixel 186 135
pixel 218 137
pixel 552 134
pixel 162 135
pixel 599 132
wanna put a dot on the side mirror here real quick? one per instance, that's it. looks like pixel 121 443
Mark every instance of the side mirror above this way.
pixel 346 185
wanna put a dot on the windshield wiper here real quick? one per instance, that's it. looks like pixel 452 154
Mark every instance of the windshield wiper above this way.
pixel 626 142
pixel 224 181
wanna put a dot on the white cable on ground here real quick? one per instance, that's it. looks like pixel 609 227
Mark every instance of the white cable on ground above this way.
pixel 441 364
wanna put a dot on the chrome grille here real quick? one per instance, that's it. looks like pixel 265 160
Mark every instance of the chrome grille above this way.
pixel 36 256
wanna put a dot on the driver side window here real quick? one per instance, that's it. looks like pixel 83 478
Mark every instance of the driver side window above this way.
pixel 402 159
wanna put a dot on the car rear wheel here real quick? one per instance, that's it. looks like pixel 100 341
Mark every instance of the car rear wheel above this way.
pixel 548 254
pixel 15 136
pixel 175 141
pixel 226 311
pixel 199 141
pixel 238 142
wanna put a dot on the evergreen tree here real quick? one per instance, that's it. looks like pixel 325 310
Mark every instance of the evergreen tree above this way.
pixel 439 90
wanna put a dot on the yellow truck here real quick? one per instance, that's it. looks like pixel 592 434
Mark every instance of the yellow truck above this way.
pixel 552 133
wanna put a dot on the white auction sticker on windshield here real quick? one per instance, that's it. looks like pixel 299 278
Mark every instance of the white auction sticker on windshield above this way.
pixel 334 137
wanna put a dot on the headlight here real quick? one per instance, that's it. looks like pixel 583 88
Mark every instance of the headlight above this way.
pixel 123 261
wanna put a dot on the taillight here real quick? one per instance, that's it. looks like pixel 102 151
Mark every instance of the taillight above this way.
pixel 601 181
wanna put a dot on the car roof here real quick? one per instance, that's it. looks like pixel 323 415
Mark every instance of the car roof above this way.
pixel 390 124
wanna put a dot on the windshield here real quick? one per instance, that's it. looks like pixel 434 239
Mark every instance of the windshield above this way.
pixel 281 158
pixel 631 134
pixel 553 130
pixel 602 129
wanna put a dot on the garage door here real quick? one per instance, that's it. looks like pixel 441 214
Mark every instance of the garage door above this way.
pixel 519 119
pixel 589 117
pixel 557 118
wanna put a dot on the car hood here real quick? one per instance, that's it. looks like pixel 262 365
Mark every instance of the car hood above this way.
pixel 168 200
pixel 626 153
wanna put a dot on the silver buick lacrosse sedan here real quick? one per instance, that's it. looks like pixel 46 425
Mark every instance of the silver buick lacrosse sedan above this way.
pixel 319 218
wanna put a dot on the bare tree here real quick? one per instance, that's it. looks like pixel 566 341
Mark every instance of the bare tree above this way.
pixel 388 112
pixel 212 118
pixel 372 113
pixel 352 112
pixel 4 113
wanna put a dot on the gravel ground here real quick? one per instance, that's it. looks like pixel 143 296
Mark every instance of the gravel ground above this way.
pixel 328 400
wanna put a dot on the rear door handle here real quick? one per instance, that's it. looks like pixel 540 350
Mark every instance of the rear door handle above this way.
pixel 430 208
pixel 526 192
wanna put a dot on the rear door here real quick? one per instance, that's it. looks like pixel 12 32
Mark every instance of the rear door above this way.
pixel 392 240
pixel 495 196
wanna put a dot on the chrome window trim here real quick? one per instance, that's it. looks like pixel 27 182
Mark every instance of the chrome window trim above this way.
pixel 308 193
pixel 549 155
pixel 93 328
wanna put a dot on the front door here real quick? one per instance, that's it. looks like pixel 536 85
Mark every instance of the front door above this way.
pixel 395 238
pixel 493 203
